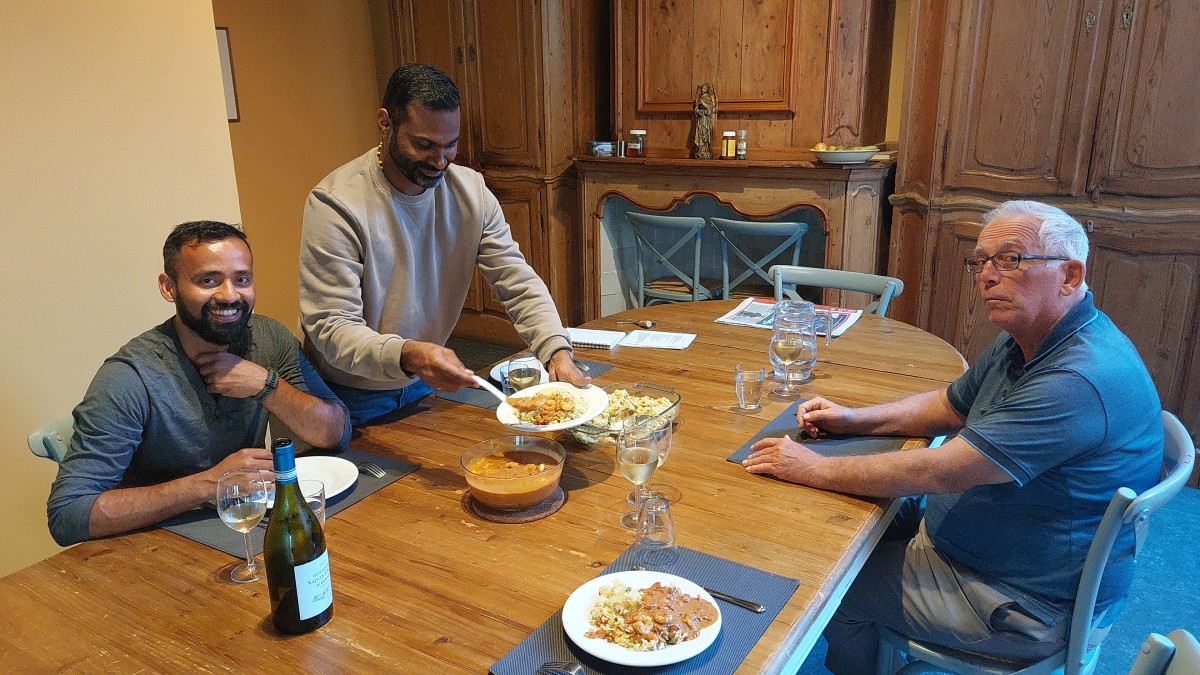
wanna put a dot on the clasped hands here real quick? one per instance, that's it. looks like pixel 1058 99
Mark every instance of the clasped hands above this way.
pixel 790 460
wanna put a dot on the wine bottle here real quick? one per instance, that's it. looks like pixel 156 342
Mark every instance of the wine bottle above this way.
pixel 297 560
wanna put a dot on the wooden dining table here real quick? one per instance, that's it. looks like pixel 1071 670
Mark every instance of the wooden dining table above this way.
pixel 421 584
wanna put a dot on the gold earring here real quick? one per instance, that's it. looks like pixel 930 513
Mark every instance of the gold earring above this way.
pixel 379 154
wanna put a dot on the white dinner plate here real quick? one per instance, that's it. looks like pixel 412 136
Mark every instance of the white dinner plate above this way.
pixel 501 369
pixel 336 473
pixel 595 398
pixel 579 605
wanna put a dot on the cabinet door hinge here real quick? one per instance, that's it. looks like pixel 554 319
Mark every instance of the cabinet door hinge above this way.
pixel 1089 21
pixel 472 54
pixel 458 56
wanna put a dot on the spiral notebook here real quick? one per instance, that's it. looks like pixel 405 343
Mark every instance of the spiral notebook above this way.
pixel 596 339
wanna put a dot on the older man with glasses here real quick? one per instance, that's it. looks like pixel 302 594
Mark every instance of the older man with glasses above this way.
pixel 1052 418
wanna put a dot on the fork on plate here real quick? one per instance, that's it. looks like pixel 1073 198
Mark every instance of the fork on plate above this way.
pixel 371 469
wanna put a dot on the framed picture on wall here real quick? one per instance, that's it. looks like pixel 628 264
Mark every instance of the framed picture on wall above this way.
pixel 231 105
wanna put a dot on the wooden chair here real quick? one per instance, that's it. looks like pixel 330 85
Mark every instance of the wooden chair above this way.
pixel 790 235
pixel 1125 509
pixel 658 278
pixel 52 439
pixel 884 288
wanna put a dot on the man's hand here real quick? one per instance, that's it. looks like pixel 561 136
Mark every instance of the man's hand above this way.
pixel 230 375
pixel 247 458
pixel 819 414
pixel 783 458
pixel 562 368
pixel 437 366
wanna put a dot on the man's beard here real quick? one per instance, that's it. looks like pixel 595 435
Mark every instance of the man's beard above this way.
pixel 214 332
pixel 410 169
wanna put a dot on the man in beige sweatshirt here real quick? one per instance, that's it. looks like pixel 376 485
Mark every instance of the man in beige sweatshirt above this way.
pixel 390 243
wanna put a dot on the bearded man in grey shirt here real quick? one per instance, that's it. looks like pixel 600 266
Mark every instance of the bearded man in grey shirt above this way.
pixel 188 400
pixel 390 245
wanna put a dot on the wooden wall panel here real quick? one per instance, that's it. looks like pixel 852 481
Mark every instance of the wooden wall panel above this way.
pixel 770 62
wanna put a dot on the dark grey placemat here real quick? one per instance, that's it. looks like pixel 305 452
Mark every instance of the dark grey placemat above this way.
pixel 828 445
pixel 205 526
pixel 482 399
pixel 740 628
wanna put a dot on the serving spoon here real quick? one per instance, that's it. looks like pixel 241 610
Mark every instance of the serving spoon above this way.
pixel 642 323
pixel 491 389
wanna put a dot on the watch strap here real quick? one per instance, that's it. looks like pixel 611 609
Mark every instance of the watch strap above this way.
pixel 269 387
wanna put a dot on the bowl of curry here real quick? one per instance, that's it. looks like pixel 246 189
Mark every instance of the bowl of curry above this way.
pixel 511 473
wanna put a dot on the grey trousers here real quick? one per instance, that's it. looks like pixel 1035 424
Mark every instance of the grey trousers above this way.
pixel 908 586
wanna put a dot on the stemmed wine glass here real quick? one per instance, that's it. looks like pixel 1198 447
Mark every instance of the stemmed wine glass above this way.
pixel 242 502
pixel 521 371
pixel 789 345
pixel 639 454
pixel 663 434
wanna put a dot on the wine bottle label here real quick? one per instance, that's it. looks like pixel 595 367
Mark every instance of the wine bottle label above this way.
pixel 314 590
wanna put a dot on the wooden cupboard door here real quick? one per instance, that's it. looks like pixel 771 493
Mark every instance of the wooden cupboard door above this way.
pixel 745 50
pixel 522 208
pixel 507 91
pixel 1148 141
pixel 1146 278
pixel 436 32
pixel 1021 97
pixel 957 313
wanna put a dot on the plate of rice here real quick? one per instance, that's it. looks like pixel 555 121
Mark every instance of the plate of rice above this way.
pixel 608 618
pixel 552 406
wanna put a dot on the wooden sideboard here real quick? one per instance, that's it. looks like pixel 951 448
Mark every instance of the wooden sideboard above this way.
pixel 851 200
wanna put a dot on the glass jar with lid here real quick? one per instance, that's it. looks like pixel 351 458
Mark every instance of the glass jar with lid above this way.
pixel 728 145
pixel 636 147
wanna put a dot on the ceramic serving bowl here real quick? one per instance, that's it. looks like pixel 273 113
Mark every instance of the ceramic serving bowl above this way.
pixel 511 473
pixel 844 156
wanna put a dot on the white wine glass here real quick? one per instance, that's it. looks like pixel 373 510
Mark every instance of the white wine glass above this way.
pixel 522 370
pixel 789 346
pixel 241 503
pixel 637 458
pixel 662 431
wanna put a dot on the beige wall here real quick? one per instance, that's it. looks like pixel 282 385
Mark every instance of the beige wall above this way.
pixel 113 132
pixel 307 95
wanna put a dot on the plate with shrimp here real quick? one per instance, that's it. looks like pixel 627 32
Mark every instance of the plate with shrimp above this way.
pixel 552 406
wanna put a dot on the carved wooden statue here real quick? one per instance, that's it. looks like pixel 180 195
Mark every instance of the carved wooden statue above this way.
pixel 706 115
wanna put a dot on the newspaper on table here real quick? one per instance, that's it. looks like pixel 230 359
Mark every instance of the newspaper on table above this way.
pixel 757 313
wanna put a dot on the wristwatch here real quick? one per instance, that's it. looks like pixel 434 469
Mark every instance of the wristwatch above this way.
pixel 269 387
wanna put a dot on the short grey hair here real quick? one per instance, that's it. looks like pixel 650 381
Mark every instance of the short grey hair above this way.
pixel 1059 234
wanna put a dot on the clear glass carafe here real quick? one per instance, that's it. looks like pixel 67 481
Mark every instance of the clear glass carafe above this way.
pixel 796 319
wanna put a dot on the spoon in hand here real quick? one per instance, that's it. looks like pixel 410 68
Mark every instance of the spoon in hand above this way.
pixel 643 323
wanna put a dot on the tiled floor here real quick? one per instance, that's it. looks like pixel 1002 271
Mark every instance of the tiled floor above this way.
pixel 1166 583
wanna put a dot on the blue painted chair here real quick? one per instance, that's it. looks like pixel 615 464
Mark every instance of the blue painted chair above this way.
pixel 789 235
pixel 51 440
pixel 659 279
pixel 1125 509
pixel 884 288
pixel 1176 654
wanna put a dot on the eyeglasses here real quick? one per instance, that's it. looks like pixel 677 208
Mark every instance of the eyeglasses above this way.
pixel 1005 262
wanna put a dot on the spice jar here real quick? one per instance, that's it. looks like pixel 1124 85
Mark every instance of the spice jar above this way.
pixel 728 145
pixel 740 152
pixel 636 147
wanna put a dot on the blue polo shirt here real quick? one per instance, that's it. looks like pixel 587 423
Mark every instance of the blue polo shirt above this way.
pixel 1081 419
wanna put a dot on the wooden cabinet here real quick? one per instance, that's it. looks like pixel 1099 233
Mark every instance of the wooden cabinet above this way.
pixel 530 101
pixel 791 73
pixel 1089 106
